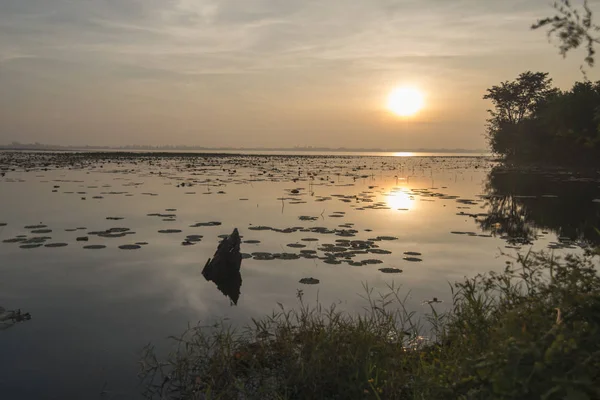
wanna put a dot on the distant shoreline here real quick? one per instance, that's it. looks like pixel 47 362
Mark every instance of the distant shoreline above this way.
pixel 26 147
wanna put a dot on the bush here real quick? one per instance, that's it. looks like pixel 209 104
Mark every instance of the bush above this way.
pixel 529 332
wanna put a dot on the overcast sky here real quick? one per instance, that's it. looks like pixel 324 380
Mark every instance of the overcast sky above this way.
pixel 262 73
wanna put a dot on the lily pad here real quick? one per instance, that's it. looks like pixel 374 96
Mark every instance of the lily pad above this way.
pixel 390 270
pixel 309 239
pixel 379 251
pixel 387 238
pixel 413 259
pixel 296 245
pixel 308 252
pixel 412 253
pixel 286 256
pixel 36 240
pixel 111 235
pixel 194 238
pixel 41 231
pixel 372 261
pixel 260 228
pixel 118 230
pixel 309 281
pixel 263 256
pixel 199 224
pixel 170 231
pixel 36 226
pixel 14 240
pixel 56 245
pixel 130 247
pixel 95 247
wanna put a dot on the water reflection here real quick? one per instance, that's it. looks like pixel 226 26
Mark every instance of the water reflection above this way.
pixel 522 202
pixel 224 268
pixel 400 199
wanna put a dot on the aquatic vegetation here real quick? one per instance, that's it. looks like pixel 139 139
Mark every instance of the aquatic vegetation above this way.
pixel 309 281
pixel 36 226
pixel 529 332
pixel 194 238
pixel 199 224
pixel 390 270
pixel 14 240
pixel 95 247
pixel 30 246
pixel 170 231
pixel 54 245
pixel 130 247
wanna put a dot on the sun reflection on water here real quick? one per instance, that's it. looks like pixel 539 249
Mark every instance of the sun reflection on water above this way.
pixel 400 199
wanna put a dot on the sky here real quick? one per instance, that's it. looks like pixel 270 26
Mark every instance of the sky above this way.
pixel 263 73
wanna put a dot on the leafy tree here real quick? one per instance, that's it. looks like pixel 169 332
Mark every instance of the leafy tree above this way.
pixel 573 28
pixel 532 121
pixel 514 102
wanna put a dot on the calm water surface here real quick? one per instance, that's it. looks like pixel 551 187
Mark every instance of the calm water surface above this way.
pixel 93 309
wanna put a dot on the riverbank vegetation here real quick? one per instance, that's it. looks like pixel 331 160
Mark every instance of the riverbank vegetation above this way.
pixel 532 331
pixel 532 121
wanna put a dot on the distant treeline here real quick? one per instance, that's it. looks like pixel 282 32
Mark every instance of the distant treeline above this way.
pixel 533 121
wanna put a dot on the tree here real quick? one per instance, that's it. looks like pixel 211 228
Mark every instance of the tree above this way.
pixel 531 121
pixel 573 28
pixel 513 103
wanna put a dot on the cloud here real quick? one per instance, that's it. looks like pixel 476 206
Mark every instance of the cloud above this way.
pixel 191 36
pixel 317 66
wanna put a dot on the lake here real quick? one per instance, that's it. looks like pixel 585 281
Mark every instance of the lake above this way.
pixel 105 250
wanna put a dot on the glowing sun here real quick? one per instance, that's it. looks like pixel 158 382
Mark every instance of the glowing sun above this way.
pixel 405 101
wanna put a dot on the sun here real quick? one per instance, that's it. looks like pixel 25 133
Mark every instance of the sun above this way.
pixel 405 101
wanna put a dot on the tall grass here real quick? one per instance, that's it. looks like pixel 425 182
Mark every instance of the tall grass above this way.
pixel 532 331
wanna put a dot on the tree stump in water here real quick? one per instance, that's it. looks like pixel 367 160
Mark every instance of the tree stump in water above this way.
pixel 224 268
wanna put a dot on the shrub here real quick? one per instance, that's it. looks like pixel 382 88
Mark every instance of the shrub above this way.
pixel 532 331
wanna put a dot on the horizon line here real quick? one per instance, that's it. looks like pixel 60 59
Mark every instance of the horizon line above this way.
pixel 19 146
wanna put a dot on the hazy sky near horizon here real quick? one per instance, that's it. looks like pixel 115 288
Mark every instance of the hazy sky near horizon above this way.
pixel 263 73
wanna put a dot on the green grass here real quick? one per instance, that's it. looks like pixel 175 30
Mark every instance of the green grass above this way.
pixel 530 332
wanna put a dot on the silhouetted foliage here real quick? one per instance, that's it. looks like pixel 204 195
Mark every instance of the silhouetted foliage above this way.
pixel 531 121
pixel 573 28
pixel 522 201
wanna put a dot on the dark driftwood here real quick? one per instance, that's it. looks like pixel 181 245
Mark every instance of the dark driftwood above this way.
pixel 224 268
